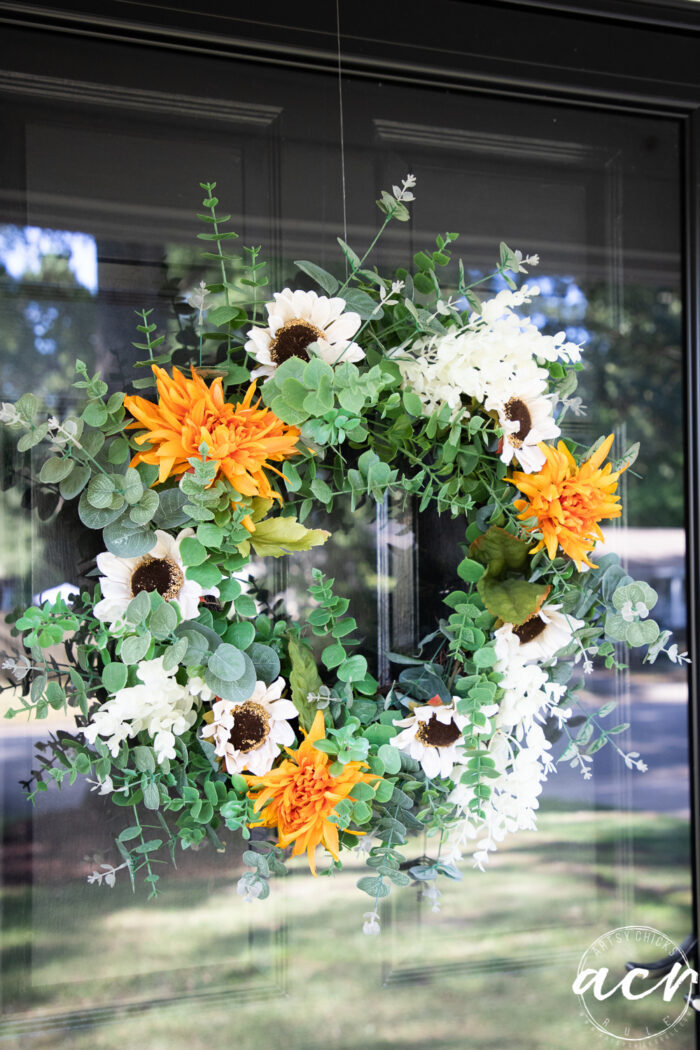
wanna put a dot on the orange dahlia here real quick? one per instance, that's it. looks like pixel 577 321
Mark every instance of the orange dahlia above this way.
pixel 300 795
pixel 569 501
pixel 242 439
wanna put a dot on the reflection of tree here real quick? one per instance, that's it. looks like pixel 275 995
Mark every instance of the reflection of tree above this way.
pixel 634 376
pixel 47 321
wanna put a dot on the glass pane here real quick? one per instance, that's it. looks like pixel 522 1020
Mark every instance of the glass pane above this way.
pixel 99 221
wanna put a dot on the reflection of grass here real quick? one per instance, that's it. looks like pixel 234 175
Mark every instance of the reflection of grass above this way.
pixel 492 969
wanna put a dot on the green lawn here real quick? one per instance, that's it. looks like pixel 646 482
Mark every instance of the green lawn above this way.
pixel 492 969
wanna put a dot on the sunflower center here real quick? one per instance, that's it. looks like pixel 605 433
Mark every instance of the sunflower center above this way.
pixel 292 340
pixel 531 629
pixel 434 733
pixel 516 411
pixel 157 574
pixel 251 726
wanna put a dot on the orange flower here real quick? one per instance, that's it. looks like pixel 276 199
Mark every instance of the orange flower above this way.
pixel 241 439
pixel 569 501
pixel 300 796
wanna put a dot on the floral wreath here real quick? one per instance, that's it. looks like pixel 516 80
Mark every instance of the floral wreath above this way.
pixel 198 705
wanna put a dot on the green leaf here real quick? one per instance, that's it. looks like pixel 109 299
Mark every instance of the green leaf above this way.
pixel 75 482
pixel 95 413
pixel 143 758
pixel 333 655
pixel 266 662
pixel 245 606
pixel 412 403
pixel 513 601
pixel 93 517
pixel 373 885
pixel 241 689
pixel 162 621
pixel 134 647
pixel 100 491
pixel 28 406
pixel 128 543
pixel 175 654
pixel 353 669
pixel 192 551
pixel 352 256
pixel 275 537
pixel 642 633
pixel 138 608
pixel 207 575
pixel 470 570
pixel 360 303
pixel 114 677
pixel 56 469
pixel 142 512
pixel 500 550
pixel 227 663
pixel 118 450
pixel 391 757
pixel 240 634
pixel 326 280
pixel 133 486
pixel 303 679
pixel 151 800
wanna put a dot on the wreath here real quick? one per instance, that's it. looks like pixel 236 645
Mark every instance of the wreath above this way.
pixel 200 704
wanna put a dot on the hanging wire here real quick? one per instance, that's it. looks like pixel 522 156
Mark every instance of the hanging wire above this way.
pixel 342 130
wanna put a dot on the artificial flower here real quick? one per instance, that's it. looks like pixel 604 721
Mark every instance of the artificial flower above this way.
pixel 568 501
pixel 159 706
pixel 489 360
pixel 299 797
pixel 433 736
pixel 295 321
pixel 249 734
pixel 243 440
pixel 526 418
pixel 160 570
pixel 543 634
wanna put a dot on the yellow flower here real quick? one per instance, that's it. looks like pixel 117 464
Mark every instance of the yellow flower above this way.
pixel 569 501
pixel 300 795
pixel 242 440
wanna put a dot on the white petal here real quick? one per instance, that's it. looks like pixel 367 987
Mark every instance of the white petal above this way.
pixel 344 328
pixel 116 568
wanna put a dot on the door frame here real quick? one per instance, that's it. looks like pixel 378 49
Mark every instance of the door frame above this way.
pixel 626 56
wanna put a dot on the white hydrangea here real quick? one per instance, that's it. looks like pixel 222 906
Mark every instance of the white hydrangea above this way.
pixel 518 747
pixel 484 359
pixel 160 706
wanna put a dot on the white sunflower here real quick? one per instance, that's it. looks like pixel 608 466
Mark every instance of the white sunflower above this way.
pixel 295 321
pixel 161 570
pixel 433 736
pixel 526 418
pixel 543 635
pixel 249 734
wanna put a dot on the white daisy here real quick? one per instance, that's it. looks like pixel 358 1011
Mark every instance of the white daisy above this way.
pixel 543 635
pixel 160 570
pixel 433 736
pixel 295 321
pixel 526 418
pixel 250 734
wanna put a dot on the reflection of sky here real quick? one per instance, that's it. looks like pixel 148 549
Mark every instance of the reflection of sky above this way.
pixel 560 305
pixel 22 249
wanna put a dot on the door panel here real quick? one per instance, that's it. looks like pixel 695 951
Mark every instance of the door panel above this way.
pixel 108 153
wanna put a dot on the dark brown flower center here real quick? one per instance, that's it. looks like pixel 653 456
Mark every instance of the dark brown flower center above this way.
pixel 530 629
pixel 434 733
pixel 292 340
pixel 157 574
pixel 251 726
pixel 517 412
